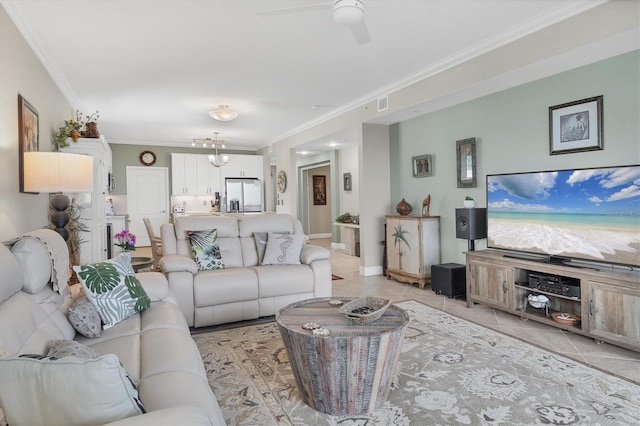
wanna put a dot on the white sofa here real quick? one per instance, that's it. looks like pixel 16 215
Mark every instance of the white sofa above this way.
pixel 154 347
pixel 244 289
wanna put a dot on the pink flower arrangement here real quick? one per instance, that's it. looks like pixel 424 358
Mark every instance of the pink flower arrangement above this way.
pixel 126 240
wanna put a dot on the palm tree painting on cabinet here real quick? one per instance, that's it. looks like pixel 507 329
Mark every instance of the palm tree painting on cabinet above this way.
pixel 398 237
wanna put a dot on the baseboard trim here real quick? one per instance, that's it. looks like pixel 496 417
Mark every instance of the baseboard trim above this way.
pixel 371 270
pixel 338 246
pixel 314 236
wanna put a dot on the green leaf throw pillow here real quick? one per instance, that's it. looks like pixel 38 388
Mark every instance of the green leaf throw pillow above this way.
pixel 205 250
pixel 112 287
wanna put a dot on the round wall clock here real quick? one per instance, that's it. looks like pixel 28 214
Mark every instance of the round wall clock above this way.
pixel 282 181
pixel 147 158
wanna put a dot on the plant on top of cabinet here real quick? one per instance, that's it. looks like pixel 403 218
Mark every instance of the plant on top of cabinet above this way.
pixel 76 128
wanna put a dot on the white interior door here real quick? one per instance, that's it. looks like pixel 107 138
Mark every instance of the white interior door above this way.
pixel 147 196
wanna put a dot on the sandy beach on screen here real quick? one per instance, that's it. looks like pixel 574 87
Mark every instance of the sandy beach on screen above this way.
pixel 574 241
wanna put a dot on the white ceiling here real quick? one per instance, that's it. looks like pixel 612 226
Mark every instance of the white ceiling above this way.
pixel 154 69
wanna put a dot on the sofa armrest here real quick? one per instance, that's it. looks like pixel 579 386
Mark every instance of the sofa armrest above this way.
pixel 310 253
pixel 155 285
pixel 180 415
pixel 178 263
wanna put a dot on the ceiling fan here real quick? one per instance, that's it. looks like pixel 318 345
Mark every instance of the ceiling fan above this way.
pixel 349 13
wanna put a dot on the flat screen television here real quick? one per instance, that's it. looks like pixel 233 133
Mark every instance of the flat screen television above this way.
pixel 581 214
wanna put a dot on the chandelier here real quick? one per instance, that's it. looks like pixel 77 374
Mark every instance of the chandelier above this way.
pixel 223 113
pixel 216 160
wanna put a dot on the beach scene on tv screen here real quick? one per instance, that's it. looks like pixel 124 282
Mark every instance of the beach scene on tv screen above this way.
pixel 591 214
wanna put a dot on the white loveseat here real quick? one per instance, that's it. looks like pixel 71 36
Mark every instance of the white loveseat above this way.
pixel 245 288
pixel 154 347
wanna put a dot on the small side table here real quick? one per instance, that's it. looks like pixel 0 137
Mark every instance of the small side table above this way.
pixel 140 263
pixel 348 372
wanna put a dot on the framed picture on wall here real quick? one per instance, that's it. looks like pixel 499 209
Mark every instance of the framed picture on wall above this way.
pixel 347 181
pixel 319 190
pixel 28 134
pixel 576 126
pixel 422 166
pixel 466 162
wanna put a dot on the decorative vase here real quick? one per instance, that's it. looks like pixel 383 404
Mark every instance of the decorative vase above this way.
pixel 469 204
pixel 403 208
pixel 91 130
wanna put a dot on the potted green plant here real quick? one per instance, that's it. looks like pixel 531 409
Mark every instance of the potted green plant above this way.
pixel 70 130
pixel 469 202
pixel 74 129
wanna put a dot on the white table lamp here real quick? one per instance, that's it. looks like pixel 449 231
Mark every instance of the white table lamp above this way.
pixel 58 172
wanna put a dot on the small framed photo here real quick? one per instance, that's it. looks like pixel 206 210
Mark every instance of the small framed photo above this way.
pixel 422 166
pixel 346 178
pixel 576 126
pixel 466 163
pixel 29 134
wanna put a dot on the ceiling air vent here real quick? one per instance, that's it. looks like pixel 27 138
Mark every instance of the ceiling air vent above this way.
pixel 383 104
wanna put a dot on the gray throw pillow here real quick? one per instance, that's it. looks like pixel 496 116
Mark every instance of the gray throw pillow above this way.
pixel 261 243
pixel 84 317
pixel 283 249
pixel 61 348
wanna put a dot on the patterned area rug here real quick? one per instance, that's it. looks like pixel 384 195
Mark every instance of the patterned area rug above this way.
pixel 450 371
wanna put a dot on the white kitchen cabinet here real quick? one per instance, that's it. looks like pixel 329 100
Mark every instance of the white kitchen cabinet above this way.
pixel 243 166
pixel 208 177
pixel 94 246
pixel 184 174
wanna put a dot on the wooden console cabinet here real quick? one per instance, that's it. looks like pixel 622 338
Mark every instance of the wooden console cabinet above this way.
pixel 608 301
pixel 413 246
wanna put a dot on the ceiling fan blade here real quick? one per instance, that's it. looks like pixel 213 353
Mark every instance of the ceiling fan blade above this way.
pixel 361 32
pixel 295 9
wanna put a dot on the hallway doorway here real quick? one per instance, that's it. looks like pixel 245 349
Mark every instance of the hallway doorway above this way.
pixel 318 201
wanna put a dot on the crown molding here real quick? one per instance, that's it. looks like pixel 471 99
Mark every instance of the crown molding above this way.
pixel 534 25
pixel 29 31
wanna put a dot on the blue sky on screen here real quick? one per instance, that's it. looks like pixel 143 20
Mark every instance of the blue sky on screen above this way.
pixel 588 191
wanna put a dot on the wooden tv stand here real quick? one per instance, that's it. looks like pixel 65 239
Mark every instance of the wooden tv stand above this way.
pixel 608 301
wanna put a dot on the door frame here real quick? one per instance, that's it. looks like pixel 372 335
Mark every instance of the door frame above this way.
pixel 165 211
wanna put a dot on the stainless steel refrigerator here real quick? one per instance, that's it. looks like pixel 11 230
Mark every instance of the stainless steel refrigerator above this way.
pixel 243 195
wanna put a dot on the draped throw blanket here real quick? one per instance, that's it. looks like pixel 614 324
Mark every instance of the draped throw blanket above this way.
pixel 58 256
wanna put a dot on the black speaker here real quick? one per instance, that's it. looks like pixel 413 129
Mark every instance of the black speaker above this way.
pixel 449 279
pixel 471 224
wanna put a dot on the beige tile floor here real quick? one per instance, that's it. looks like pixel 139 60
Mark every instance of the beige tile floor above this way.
pixel 615 360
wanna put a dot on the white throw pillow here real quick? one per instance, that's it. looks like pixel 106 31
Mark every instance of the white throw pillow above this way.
pixel 35 262
pixel 113 289
pixel 283 249
pixel 66 391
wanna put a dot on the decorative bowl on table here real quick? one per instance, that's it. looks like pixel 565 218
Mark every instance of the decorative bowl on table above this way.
pixel 565 318
pixel 365 309
pixel 538 301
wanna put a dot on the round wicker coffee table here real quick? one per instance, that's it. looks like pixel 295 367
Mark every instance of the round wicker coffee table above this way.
pixel 349 371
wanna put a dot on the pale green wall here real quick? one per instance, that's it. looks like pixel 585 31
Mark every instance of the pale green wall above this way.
pixel 128 155
pixel 512 134
pixel 22 73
